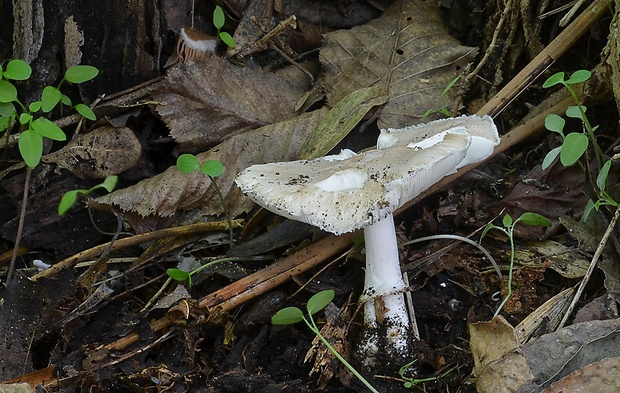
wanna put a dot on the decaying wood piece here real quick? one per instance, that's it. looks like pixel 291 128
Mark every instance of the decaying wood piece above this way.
pixel 28 27
pixel 611 56
pixel 48 34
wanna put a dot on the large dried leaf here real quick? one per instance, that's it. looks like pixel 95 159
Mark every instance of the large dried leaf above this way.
pixel 103 152
pixel 205 103
pixel 172 190
pixel 407 51
pixel 502 365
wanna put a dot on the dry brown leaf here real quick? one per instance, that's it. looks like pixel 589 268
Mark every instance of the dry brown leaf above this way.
pixel 553 193
pixel 603 307
pixel 172 190
pixel 566 261
pixel 537 364
pixel 248 32
pixel 407 51
pixel 492 342
pixel 103 152
pixel 556 355
pixel 599 377
pixel 207 102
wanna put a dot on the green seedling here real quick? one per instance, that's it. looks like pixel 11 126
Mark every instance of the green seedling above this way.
pixel 188 163
pixel 218 21
pixel 182 275
pixel 70 197
pixel 292 315
pixel 508 226
pixel 444 109
pixel 604 199
pixel 574 144
pixel 410 382
pixel 35 127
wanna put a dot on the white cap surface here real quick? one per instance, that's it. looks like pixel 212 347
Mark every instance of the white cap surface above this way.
pixel 482 130
pixel 342 195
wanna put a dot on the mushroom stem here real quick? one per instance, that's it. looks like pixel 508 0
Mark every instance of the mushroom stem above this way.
pixel 383 292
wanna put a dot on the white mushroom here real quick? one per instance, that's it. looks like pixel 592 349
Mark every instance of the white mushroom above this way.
pixel 345 192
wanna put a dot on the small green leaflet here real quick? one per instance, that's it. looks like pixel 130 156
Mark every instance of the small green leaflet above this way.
pixel 319 301
pixel 187 163
pixel 81 73
pixel 287 316
pixel 533 219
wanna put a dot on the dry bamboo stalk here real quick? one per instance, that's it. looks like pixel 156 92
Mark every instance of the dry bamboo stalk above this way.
pixel 235 294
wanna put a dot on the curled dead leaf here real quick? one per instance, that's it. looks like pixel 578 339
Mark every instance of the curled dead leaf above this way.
pixel 106 151
pixel 205 103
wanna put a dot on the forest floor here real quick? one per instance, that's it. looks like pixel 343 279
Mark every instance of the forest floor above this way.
pixel 108 317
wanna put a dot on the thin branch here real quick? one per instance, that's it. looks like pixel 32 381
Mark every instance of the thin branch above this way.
pixel 20 226
pixel 586 277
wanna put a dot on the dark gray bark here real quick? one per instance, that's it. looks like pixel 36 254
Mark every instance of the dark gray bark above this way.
pixel 127 40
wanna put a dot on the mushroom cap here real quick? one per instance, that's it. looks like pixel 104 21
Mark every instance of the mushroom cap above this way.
pixel 482 130
pixel 192 45
pixel 346 192
pixel 197 40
